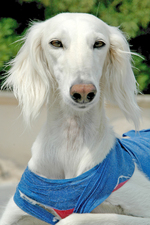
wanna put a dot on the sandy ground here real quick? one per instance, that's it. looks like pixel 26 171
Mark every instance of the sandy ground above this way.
pixel 16 139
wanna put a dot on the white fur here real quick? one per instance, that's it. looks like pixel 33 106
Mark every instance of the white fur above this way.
pixel 73 140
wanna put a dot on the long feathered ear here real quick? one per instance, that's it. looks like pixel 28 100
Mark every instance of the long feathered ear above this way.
pixel 118 79
pixel 29 74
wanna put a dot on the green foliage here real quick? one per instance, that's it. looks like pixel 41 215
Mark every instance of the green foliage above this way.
pixel 44 2
pixel 141 72
pixel 131 15
pixel 7 38
pixel 56 6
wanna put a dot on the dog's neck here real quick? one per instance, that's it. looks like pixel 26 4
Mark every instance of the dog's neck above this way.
pixel 71 142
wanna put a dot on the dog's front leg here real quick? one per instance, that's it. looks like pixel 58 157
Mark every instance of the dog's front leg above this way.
pixel 12 214
pixel 103 219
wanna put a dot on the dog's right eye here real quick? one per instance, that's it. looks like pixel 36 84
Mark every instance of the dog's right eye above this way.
pixel 56 43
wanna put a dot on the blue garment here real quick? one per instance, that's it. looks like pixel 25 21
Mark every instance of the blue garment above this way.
pixel 85 192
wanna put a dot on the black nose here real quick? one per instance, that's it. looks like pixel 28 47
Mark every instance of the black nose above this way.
pixel 83 93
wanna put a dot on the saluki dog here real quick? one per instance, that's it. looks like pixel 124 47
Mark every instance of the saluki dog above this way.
pixel 80 172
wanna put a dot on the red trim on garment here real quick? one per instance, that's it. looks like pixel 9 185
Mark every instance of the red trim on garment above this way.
pixel 120 185
pixel 64 213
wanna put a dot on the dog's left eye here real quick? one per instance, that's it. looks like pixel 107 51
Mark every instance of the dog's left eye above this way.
pixel 56 43
pixel 99 44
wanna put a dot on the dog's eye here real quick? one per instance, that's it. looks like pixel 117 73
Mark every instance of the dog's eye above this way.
pixel 56 43
pixel 99 44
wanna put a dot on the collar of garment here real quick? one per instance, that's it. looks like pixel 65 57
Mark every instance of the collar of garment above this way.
pixel 35 194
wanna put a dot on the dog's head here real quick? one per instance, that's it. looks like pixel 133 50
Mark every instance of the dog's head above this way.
pixel 82 58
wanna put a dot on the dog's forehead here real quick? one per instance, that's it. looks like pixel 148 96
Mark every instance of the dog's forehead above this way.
pixel 77 21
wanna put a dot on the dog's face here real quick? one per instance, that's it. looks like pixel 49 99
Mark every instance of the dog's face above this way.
pixel 84 56
pixel 76 46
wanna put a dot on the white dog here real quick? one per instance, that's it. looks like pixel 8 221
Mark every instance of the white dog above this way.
pixel 72 62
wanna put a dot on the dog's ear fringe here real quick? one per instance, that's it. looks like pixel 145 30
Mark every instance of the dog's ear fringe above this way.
pixel 120 86
pixel 29 76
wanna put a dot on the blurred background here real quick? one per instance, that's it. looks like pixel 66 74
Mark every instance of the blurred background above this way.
pixel 131 16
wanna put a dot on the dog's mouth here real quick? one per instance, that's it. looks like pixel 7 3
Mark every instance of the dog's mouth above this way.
pixel 81 106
